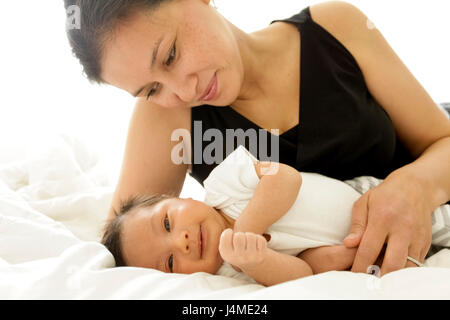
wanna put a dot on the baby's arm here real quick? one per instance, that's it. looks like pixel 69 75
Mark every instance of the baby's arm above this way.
pixel 249 252
pixel 273 197
pixel 329 258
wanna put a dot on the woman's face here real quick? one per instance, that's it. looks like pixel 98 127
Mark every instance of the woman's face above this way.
pixel 194 42
pixel 175 235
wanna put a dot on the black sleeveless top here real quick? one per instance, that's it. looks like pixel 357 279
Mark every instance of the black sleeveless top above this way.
pixel 342 132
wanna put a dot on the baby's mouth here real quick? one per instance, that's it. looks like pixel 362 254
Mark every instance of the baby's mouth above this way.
pixel 200 249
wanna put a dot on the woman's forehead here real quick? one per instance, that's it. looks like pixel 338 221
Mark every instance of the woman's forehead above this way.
pixel 143 27
pixel 132 44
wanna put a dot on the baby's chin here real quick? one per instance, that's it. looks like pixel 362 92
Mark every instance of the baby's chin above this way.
pixel 219 263
pixel 213 266
pixel 210 267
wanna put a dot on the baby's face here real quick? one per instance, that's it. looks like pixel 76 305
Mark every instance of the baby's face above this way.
pixel 175 235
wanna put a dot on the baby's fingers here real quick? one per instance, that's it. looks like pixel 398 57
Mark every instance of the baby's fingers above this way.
pixel 255 242
pixel 252 240
pixel 226 242
pixel 239 242
pixel 261 243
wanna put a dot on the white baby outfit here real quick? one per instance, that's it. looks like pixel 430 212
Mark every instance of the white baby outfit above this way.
pixel 320 216
pixel 311 221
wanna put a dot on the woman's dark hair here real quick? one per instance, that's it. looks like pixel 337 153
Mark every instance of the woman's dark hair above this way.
pixel 112 231
pixel 98 21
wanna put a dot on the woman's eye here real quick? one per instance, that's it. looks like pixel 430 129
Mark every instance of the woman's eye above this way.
pixel 151 92
pixel 168 63
pixel 167 224
pixel 170 263
pixel 171 55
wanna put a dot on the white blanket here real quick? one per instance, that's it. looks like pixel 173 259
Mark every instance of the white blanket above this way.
pixel 52 207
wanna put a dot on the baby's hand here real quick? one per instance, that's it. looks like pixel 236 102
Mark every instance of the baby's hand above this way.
pixel 242 249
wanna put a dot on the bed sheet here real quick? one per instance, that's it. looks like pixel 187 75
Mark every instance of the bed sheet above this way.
pixel 52 207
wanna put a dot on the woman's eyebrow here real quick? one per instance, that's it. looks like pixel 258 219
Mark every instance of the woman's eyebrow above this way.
pixel 154 56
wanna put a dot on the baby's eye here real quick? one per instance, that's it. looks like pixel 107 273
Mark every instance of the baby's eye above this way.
pixel 170 263
pixel 167 224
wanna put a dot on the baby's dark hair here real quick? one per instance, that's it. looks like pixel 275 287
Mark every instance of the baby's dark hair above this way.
pixel 112 231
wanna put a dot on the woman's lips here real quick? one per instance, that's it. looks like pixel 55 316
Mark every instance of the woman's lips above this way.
pixel 211 90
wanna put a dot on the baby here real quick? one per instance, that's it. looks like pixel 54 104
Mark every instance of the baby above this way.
pixel 265 219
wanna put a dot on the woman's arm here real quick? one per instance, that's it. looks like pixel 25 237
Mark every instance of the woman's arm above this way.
pixel 398 211
pixel 274 196
pixel 147 166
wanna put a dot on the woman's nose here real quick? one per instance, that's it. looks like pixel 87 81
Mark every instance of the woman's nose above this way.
pixel 183 88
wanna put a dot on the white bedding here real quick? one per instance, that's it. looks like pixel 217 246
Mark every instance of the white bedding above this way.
pixel 52 206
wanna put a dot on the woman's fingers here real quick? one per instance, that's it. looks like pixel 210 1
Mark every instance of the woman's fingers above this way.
pixel 369 249
pixel 425 244
pixel 396 211
pixel 425 248
pixel 396 254
pixel 359 221
pixel 415 252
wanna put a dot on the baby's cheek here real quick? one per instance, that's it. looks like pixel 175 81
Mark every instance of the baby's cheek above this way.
pixel 217 263
pixel 203 265
pixel 213 265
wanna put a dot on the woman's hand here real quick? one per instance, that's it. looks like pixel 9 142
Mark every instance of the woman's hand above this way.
pixel 396 212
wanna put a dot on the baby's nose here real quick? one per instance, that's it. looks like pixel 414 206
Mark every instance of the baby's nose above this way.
pixel 183 242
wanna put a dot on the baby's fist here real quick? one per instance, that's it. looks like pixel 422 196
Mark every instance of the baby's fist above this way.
pixel 243 250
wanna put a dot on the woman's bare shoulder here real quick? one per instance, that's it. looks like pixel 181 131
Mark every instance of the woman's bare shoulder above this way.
pixel 341 19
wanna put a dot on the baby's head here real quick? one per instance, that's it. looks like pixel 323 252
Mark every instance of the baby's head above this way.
pixel 166 233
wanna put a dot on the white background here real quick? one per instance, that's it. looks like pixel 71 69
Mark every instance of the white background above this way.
pixel 44 93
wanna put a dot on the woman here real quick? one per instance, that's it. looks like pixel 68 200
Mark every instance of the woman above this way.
pixel 347 107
